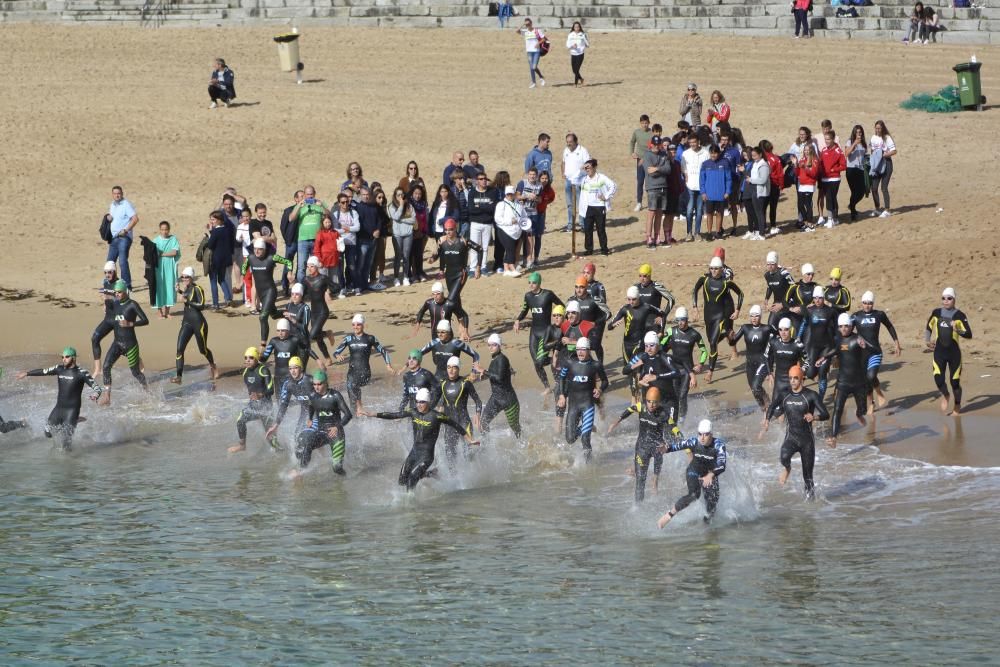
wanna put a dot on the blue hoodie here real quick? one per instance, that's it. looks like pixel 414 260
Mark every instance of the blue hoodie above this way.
pixel 716 179
pixel 540 160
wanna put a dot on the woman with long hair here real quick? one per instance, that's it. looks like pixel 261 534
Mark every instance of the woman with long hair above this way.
pixel 355 180
pixel 418 200
pixel 806 175
pixel 532 46
pixel 403 223
pixel 411 178
pixel 718 110
pixel 168 252
pixel 377 274
pixel 882 141
pixel 577 42
pixel 857 149
pixel 444 206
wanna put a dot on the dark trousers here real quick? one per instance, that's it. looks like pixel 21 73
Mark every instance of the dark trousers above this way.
pixel 576 62
pixel 801 20
pixel 830 189
pixel 596 218
pixel 805 201
pixel 219 94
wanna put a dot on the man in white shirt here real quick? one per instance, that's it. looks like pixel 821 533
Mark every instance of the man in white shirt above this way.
pixel 596 192
pixel 123 219
pixel 691 161
pixel 573 158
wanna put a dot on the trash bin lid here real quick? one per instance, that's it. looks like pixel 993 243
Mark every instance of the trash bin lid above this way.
pixel 290 37
pixel 960 67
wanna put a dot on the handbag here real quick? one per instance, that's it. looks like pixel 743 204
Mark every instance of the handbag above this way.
pixel 105 229
pixel 543 44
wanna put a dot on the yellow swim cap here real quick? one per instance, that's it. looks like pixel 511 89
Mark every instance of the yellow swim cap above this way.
pixel 645 270
pixel 558 310
pixel 836 273
pixel 295 362
pixel 252 352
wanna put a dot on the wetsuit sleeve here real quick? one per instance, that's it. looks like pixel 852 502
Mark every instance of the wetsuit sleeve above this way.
pixel 381 350
pixel 197 299
pixel 268 350
pixel 605 314
pixel 278 259
pixel 283 399
pixel 666 337
pixel 629 411
pixel 313 418
pixel 965 331
pixel 738 334
pixel 733 287
pixel 474 395
pixel 769 292
pixel 703 357
pixel 524 310
pixel 556 301
pixel 420 313
pixel 844 299
pixel 406 394
pixel 399 414
pixel 140 317
pixel 769 356
pixel 268 380
pixel 436 394
pixel 619 315
pixel 697 288
pixel 931 324
pixel 774 408
pixel 469 351
pixel 681 445
pixel 345 410
pixel 603 377
pixel 38 372
pixel 791 296
pixel 888 325
pixel 343 345
pixel 561 384
pixel 92 383
pixel 720 457
pixel 502 370
pixel 312 354
pixel 820 413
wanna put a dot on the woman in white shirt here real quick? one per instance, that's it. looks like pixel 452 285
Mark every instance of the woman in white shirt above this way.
pixel 882 141
pixel 760 181
pixel 596 193
pixel 532 40
pixel 856 150
pixel 577 43
pixel 507 215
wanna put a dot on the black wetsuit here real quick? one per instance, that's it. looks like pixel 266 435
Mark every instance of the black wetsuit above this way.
pixel 578 379
pixel 781 356
pixel 262 271
pixel 540 307
pixel 756 339
pixel 126 344
pixel 442 351
pixel 798 432
pixel 300 316
pixel 662 366
pixel 413 381
pixel 778 282
pixel 455 396
pixel 597 313
pixel 851 379
pixel 439 312
pixel 703 461
pixel 316 288
pixel 635 318
pixel 819 328
pixel 326 411
pixel 681 344
pixel 654 429
pixel 502 397
pixel 839 298
pixel 193 324
pixel 258 382
pixel 717 295
pixel 66 413
pixel 426 427
pixel 359 370
pixel 283 351
pixel 798 295
pixel 656 295
pixel 107 325
pixel 869 326
pixel 946 326
pixel 454 256
pixel 294 390
pixel 6 426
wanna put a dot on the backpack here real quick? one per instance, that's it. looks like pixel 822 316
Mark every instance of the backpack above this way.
pixel 543 45
pixel 105 229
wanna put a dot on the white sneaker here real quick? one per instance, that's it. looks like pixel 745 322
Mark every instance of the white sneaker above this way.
pixel 638 207
pixel 807 230
pixel 531 86
pixel 406 282
pixel 542 81
pixel 213 105
pixel 396 283
pixel 875 214
pixel 774 231
pixel 885 213
pixel 759 237
pixel 830 223
pixel 821 221
pixel 747 236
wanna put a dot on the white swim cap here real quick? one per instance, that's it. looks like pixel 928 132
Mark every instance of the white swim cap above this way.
pixel 704 426
pixel 188 272
pixel 868 296
pixel 259 244
pixel 358 319
pixel 650 338
pixel 632 292
pixel 844 320
pixel 573 307
pixel 314 261
pixel 444 325
pixel 437 288
pixel 772 257
pixel 948 291
pixel 109 266
pixel 755 310
pixel 818 292
pixel 423 395
pixel 583 343
pixel 716 263
pixel 283 325
pixel 297 288
pixel 808 268
pixel 681 313
pixel 494 339
pixel 454 361
pixel 784 323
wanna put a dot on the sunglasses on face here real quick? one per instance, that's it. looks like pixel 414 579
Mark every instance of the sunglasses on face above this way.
pixel 248 358
pixel 868 303
pixel 948 298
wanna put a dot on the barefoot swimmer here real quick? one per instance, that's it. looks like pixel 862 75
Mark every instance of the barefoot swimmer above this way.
pixel 65 416
pixel 260 387
pixel 708 461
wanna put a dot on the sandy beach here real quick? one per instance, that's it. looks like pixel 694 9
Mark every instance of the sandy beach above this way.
pixel 87 108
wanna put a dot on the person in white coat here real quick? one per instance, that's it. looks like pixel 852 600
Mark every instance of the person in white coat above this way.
pixel 508 216
pixel 577 42
pixel 596 193
pixel 760 181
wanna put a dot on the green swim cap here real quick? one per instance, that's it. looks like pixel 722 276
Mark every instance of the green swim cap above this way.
pixel 120 286
pixel 69 352
pixel 535 277
pixel 319 376
pixel 416 354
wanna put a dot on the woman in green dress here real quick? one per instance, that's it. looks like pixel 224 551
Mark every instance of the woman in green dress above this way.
pixel 169 253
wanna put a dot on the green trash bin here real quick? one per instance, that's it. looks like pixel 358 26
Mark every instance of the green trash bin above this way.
pixel 970 87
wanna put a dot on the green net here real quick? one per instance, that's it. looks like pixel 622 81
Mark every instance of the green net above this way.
pixel 944 101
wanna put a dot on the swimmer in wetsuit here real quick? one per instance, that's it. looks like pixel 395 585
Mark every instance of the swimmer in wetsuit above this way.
pixel 446 346
pixel 849 349
pixel 756 335
pixel 944 327
pixel 453 251
pixel 426 427
pixel 778 281
pixel 297 387
pixel 415 378
pixel 128 316
pixel 782 353
pixel 107 325
pixel 819 327
pixel 868 322
pixel 298 313
pixel 800 407
pixel 538 303
pixel 260 388
pixel 653 293
pixel 582 381
pixel 193 324
pixel 328 415
pixel 360 346
pixel 708 461
pixel 502 396
pixel 798 297
pixel 66 414
pixel 261 266
pixel 680 341
pixel 835 294
pixel 316 287
pixel 440 310
pixel 456 392
pixel 656 425
pixel 593 311
pixel 654 367
pixel 634 314
pixel 284 347
pixel 717 292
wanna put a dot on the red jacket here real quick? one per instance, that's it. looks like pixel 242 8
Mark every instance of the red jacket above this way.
pixel 722 115
pixel 807 175
pixel 548 196
pixel 833 162
pixel 777 173
pixel 325 248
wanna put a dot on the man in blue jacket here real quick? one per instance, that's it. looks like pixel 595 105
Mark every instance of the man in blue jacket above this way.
pixel 221 85
pixel 540 157
pixel 716 182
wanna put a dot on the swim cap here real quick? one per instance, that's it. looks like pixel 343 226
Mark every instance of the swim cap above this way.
pixel 632 292
pixel 188 272
pixel 69 352
pixel 454 361
pixel 358 319
pixel 645 270
pixel 704 426
pixel 948 291
pixel 589 268
pixel 535 277
pixel 795 372
pixel 415 354
pixel 720 252
pixel 494 339
pixel 259 244
pixel 295 362
pixel 583 343
pixel 681 313
pixel 297 289
pixel 716 263
pixel 844 320
pixel 772 257
pixel 652 394
pixel 319 376
pixel 558 310
pixel 755 310
pixel 818 292
pixel 314 261
pixel 423 395
pixel 443 325
pixel 109 266
pixel 252 352
pixel 581 281
pixel 868 296
pixel 650 338
pixel 808 268
pixel 437 288
pixel 836 273
pixel 449 224
pixel 121 286
pixel 784 323
pixel 573 307
pixel 283 325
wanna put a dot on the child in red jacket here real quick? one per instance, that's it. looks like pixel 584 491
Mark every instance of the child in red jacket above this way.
pixel 833 163
pixel 326 249
pixel 806 174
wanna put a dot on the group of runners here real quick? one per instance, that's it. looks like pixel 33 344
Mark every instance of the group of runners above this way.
pixel 799 333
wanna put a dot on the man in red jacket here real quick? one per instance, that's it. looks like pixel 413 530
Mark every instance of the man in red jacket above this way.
pixel 832 164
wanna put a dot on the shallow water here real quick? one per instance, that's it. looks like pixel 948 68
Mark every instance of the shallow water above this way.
pixel 149 545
